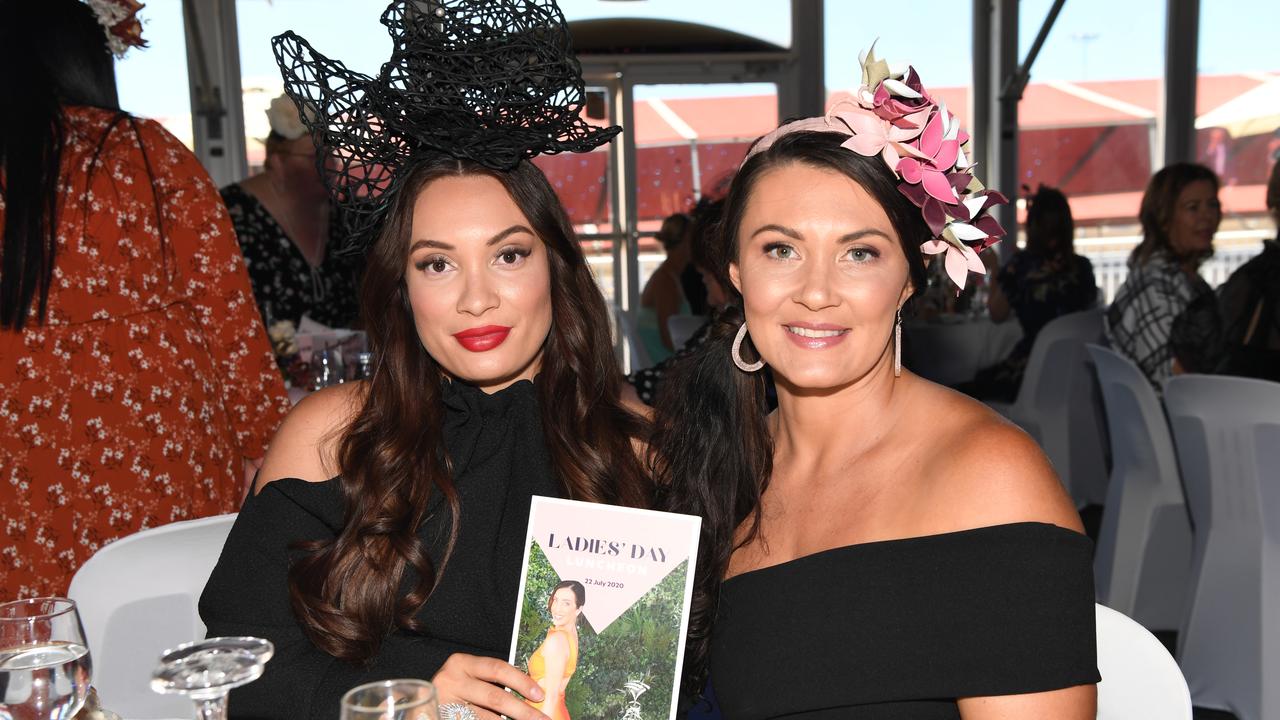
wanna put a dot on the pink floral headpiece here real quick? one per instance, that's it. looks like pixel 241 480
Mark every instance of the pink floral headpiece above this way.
pixel 119 20
pixel 921 141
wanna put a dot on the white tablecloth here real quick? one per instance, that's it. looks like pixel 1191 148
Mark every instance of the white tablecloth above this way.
pixel 952 352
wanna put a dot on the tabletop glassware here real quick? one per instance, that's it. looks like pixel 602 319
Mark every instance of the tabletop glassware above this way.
pixel 207 670
pixel 45 668
pixel 390 700
pixel 326 369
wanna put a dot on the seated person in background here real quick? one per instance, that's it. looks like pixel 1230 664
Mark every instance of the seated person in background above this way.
pixel 1045 280
pixel 663 295
pixel 1250 302
pixel 1165 316
pixel 287 231
pixel 645 383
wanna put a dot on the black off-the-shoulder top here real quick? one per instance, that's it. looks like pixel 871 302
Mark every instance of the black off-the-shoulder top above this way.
pixel 901 628
pixel 500 461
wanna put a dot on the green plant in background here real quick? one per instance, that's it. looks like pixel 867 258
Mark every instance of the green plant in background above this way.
pixel 640 645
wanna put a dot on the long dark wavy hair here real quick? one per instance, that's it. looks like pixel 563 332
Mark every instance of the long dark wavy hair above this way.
pixel 712 454
pixel 55 54
pixel 347 592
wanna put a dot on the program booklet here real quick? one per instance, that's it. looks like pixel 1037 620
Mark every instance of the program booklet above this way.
pixel 603 608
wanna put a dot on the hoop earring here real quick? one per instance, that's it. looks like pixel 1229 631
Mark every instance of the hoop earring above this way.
pixel 897 344
pixel 736 353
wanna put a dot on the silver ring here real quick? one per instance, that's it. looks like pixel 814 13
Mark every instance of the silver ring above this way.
pixel 457 711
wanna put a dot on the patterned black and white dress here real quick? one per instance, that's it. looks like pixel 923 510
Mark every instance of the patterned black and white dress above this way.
pixel 1161 313
pixel 285 285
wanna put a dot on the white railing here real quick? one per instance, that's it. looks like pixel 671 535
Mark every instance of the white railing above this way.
pixel 1110 257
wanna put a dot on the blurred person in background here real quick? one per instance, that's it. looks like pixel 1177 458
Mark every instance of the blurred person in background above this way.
pixel 136 383
pixel 1165 316
pixel 644 384
pixel 663 295
pixel 288 233
pixel 1044 281
pixel 1250 303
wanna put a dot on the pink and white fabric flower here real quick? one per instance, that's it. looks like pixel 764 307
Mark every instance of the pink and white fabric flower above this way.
pixel 893 116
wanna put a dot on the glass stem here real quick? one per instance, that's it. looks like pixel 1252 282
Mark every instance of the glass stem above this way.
pixel 215 709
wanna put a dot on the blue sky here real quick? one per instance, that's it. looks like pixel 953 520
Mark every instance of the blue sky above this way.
pixel 1092 40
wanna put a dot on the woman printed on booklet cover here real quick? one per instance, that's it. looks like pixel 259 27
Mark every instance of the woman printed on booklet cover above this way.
pixel 552 665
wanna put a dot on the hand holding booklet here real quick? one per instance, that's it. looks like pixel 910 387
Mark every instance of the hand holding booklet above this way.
pixel 603 608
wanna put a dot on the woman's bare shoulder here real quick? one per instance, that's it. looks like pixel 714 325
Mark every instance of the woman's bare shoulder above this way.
pixel 984 470
pixel 306 445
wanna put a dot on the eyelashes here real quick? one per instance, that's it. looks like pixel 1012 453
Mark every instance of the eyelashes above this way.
pixel 437 264
pixel 860 254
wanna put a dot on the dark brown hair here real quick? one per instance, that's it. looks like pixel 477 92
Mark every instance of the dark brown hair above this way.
pixel 346 592
pixel 1159 202
pixel 712 452
pixel 1050 227
pixel 579 592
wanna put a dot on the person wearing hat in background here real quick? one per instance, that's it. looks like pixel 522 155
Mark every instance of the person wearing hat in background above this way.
pixel 287 232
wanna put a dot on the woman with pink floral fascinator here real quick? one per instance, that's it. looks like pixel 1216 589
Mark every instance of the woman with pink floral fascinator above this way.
pixel 878 546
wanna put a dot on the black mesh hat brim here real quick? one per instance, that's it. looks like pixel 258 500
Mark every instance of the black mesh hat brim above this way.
pixel 490 81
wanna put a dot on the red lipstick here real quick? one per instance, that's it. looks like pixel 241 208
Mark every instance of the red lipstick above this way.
pixel 481 339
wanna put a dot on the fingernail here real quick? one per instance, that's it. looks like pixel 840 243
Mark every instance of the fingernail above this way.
pixel 535 693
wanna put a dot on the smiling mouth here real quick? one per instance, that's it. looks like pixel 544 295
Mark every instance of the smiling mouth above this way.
pixel 811 333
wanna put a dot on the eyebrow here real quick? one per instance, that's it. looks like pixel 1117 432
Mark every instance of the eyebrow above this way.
pixel 795 235
pixel 491 241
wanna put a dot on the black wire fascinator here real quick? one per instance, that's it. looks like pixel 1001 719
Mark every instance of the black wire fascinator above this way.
pixel 493 81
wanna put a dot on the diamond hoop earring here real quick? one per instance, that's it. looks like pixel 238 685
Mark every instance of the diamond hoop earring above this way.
pixel 736 353
pixel 897 344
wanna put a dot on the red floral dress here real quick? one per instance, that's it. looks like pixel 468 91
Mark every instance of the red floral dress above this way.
pixel 151 379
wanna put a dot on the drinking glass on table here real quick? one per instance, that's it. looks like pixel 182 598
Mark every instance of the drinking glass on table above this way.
pixel 45 667
pixel 390 700
pixel 207 670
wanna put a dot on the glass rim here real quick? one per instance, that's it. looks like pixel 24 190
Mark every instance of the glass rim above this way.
pixel 261 646
pixel 64 604
pixel 408 703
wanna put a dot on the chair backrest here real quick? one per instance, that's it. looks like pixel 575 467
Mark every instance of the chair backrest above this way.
pixel 682 327
pixel 137 597
pixel 1143 558
pixel 1226 432
pixel 1139 677
pixel 1059 399
pixel 631 336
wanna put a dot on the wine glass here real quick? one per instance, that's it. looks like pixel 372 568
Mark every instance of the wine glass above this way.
pixel 207 670
pixel 390 700
pixel 45 667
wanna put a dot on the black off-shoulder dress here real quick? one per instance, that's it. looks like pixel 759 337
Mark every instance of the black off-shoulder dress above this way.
pixel 900 629
pixel 500 461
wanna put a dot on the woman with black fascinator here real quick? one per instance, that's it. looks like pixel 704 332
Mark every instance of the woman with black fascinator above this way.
pixel 386 533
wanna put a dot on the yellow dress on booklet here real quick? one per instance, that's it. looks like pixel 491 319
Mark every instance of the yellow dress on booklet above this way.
pixel 538 670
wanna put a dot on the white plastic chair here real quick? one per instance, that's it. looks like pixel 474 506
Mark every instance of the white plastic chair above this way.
pixel 682 327
pixel 1139 677
pixel 1059 405
pixel 1142 566
pixel 627 330
pixel 1226 432
pixel 137 597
